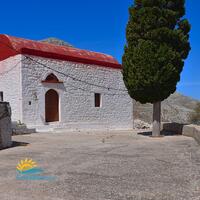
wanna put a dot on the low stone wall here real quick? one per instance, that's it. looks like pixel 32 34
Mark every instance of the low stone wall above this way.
pixel 173 127
pixel 5 125
pixel 183 129
pixel 192 131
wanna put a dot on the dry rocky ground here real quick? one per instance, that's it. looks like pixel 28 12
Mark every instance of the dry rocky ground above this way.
pixel 104 166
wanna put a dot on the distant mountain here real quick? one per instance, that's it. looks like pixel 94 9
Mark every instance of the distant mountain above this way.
pixel 56 41
pixel 176 108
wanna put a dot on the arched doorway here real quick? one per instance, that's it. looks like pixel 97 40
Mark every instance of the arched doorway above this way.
pixel 51 106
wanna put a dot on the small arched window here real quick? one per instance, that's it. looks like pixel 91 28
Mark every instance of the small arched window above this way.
pixel 51 78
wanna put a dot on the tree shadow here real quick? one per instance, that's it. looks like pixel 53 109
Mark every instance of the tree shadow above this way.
pixel 19 144
pixel 162 133
pixel 16 144
pixel 168 129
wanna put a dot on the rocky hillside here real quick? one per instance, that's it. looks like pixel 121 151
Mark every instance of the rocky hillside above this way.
pixel 176 108
pixel 56 41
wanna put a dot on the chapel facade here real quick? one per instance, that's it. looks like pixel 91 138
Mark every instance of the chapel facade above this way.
pixel 51 87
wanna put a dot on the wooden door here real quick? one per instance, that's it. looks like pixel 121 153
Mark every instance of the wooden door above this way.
pixel 51 106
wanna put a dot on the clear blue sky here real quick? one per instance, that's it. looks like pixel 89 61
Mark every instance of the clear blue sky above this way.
pixel 95 25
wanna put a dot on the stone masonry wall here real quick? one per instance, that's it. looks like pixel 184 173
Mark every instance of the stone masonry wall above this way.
pixel 190 130
pixel 10 84
pixel 76 98
pixel 5 125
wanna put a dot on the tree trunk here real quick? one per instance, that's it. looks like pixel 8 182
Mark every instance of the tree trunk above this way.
pixel 156 119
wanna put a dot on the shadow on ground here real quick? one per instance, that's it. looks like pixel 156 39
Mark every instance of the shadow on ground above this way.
pixel 19 144
pixel 16 144
pixel 163 133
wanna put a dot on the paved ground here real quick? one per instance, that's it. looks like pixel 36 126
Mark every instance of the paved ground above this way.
pixel 115 166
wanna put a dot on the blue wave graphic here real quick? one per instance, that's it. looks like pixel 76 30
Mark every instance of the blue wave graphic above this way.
pixel 35 177
pixel 33 174
pixel 31 171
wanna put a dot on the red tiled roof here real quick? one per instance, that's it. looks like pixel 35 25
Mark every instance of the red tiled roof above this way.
pixel 10 46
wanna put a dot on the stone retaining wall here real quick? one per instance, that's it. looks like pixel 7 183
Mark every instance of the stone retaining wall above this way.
pixel 183 129
pixel 173 127
pixel 5 125
pixel 192 131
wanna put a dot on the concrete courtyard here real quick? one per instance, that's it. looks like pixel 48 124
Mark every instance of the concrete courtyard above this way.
pixel 103 166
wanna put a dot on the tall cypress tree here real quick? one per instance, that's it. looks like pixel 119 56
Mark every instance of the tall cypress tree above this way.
pixel 157 45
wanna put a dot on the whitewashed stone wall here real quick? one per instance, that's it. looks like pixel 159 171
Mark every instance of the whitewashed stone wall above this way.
pixel 76 99
pixel 20 81
pixel 10 84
